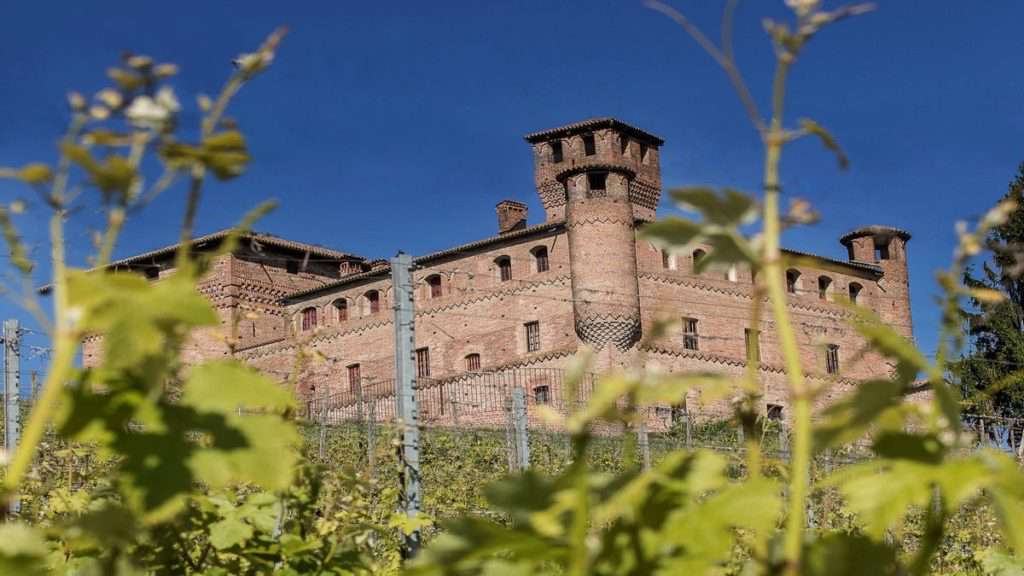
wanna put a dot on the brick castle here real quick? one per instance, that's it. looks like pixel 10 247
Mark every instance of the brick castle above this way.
pixel 531 295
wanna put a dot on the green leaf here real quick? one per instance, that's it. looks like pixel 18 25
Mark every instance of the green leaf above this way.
pixel 35 173
pixel 730 208
pixel 22 550
pixel 995 563
pixel 229 532
pixel 225 387
pixel 850 419
pixel 225 154
pixel 672 231
pixel 827 140
pixel 840 554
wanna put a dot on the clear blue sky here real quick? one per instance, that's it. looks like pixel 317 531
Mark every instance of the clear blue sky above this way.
pixel 398 125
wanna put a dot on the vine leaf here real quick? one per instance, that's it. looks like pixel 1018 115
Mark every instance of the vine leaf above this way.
pixel 811 127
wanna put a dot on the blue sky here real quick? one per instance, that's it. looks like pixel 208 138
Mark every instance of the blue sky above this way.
pixel 398 125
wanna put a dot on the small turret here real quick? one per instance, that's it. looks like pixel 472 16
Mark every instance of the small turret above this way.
pixel 885 247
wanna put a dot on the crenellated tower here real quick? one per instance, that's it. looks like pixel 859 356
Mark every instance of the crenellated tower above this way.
pixel 602 176
pixel 885 247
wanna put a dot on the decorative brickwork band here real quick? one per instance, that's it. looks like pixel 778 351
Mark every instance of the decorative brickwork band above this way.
pixel 600 330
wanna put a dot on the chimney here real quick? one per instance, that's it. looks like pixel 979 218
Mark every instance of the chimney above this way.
pixel 511 216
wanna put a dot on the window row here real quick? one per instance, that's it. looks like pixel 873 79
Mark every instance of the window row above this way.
pixel 556 150
pixel 503 264
pixel 794 285
pixel 752 344
pixel 369 304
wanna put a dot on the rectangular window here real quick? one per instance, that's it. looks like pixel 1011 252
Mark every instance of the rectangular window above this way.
pixel 598 181
pixel 589 146
pixel 690 333
pixel 832 359
pixel 542 260
pixel 881 252
pixel 309 318
pixel 505 269
pixel 753 342
pixel 643 153
pixel 774 412
pixel 556 152
pixel 292 267
pixel 472 362
pixel 532 336
pixel 423 362
pixel 435 286
pixel 542 394
pixel 353 378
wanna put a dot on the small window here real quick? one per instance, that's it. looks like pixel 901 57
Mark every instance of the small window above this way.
pixel 597 181
pixel 855 290
pixel 731 274
pixel 423 362
pixel 532 336
pixel 664 415
pixel 774 412
pixel 504 264
pixel 624 143
pixel 881 250
pixel 832 359
pixel 308 318
pixel 354 378
pixel 341 309
pixel 542 394
pixel 556 152
pixel 752 339
pixel 643 153
pixel 540 258
pixel 690 336
pixel 434 282
pixel 153 272
pixel 824 283
pixel 697 256
pixel 666 260
pixel 792 281
pixel 472 362
pixel 372 299
pixel 589 145
pixel 291 266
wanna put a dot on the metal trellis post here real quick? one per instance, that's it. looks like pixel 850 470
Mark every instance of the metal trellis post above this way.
pixel 12 393
pixel 405 394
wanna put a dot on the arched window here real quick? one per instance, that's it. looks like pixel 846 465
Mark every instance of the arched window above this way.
pixel 824 284
pixel 371 302
pixel 855 289
pixel 540 259
pixel 665 259
pixel 792 281
pixel 308 318
pixel 697 256
pixel 731 274
pixel 472 362
pixel 504 264
pixel 434 283
pixel 340 309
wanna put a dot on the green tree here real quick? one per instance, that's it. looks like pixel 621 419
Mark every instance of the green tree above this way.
pixel 991 374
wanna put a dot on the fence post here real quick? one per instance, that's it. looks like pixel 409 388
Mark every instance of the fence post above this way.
pixel 642 441
pixel 520 420
pixel 371 439
pixel 689 426
pixel 405 393
pixel 323 425
pixel 12 394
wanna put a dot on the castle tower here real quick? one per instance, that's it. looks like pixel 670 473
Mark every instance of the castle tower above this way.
pixel 885 247
pixel 601 176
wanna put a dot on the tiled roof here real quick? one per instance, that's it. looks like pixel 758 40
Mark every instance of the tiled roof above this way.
pixel 385 268
pixel 591 124
pixel 872 230
pixel 267 239
pixel 850 263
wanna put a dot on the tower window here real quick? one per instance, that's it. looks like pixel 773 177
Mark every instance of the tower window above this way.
pixel 589 146
pixel 624 141
pixel 153 272
pixel 504 264
pixel 697 256
pixel 532 336
pixel 472 362
pixel 643 153
pixel 597 181
pixel 354 378
pixel 372 302
pixel 434 282
pixel 666 260
pixel 832 359
pixel 423 362
pixel 855 289
pixel 556 152
pixel 752 339
pixel 792 281
pixel 291 266
pixel 881 250
pixel 542 394
pixel 540 258
pixel 824 283
pixel 308 318
pixel 774 412
pixel 690 336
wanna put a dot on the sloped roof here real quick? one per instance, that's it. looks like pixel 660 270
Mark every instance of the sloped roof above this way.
pixel 592 124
